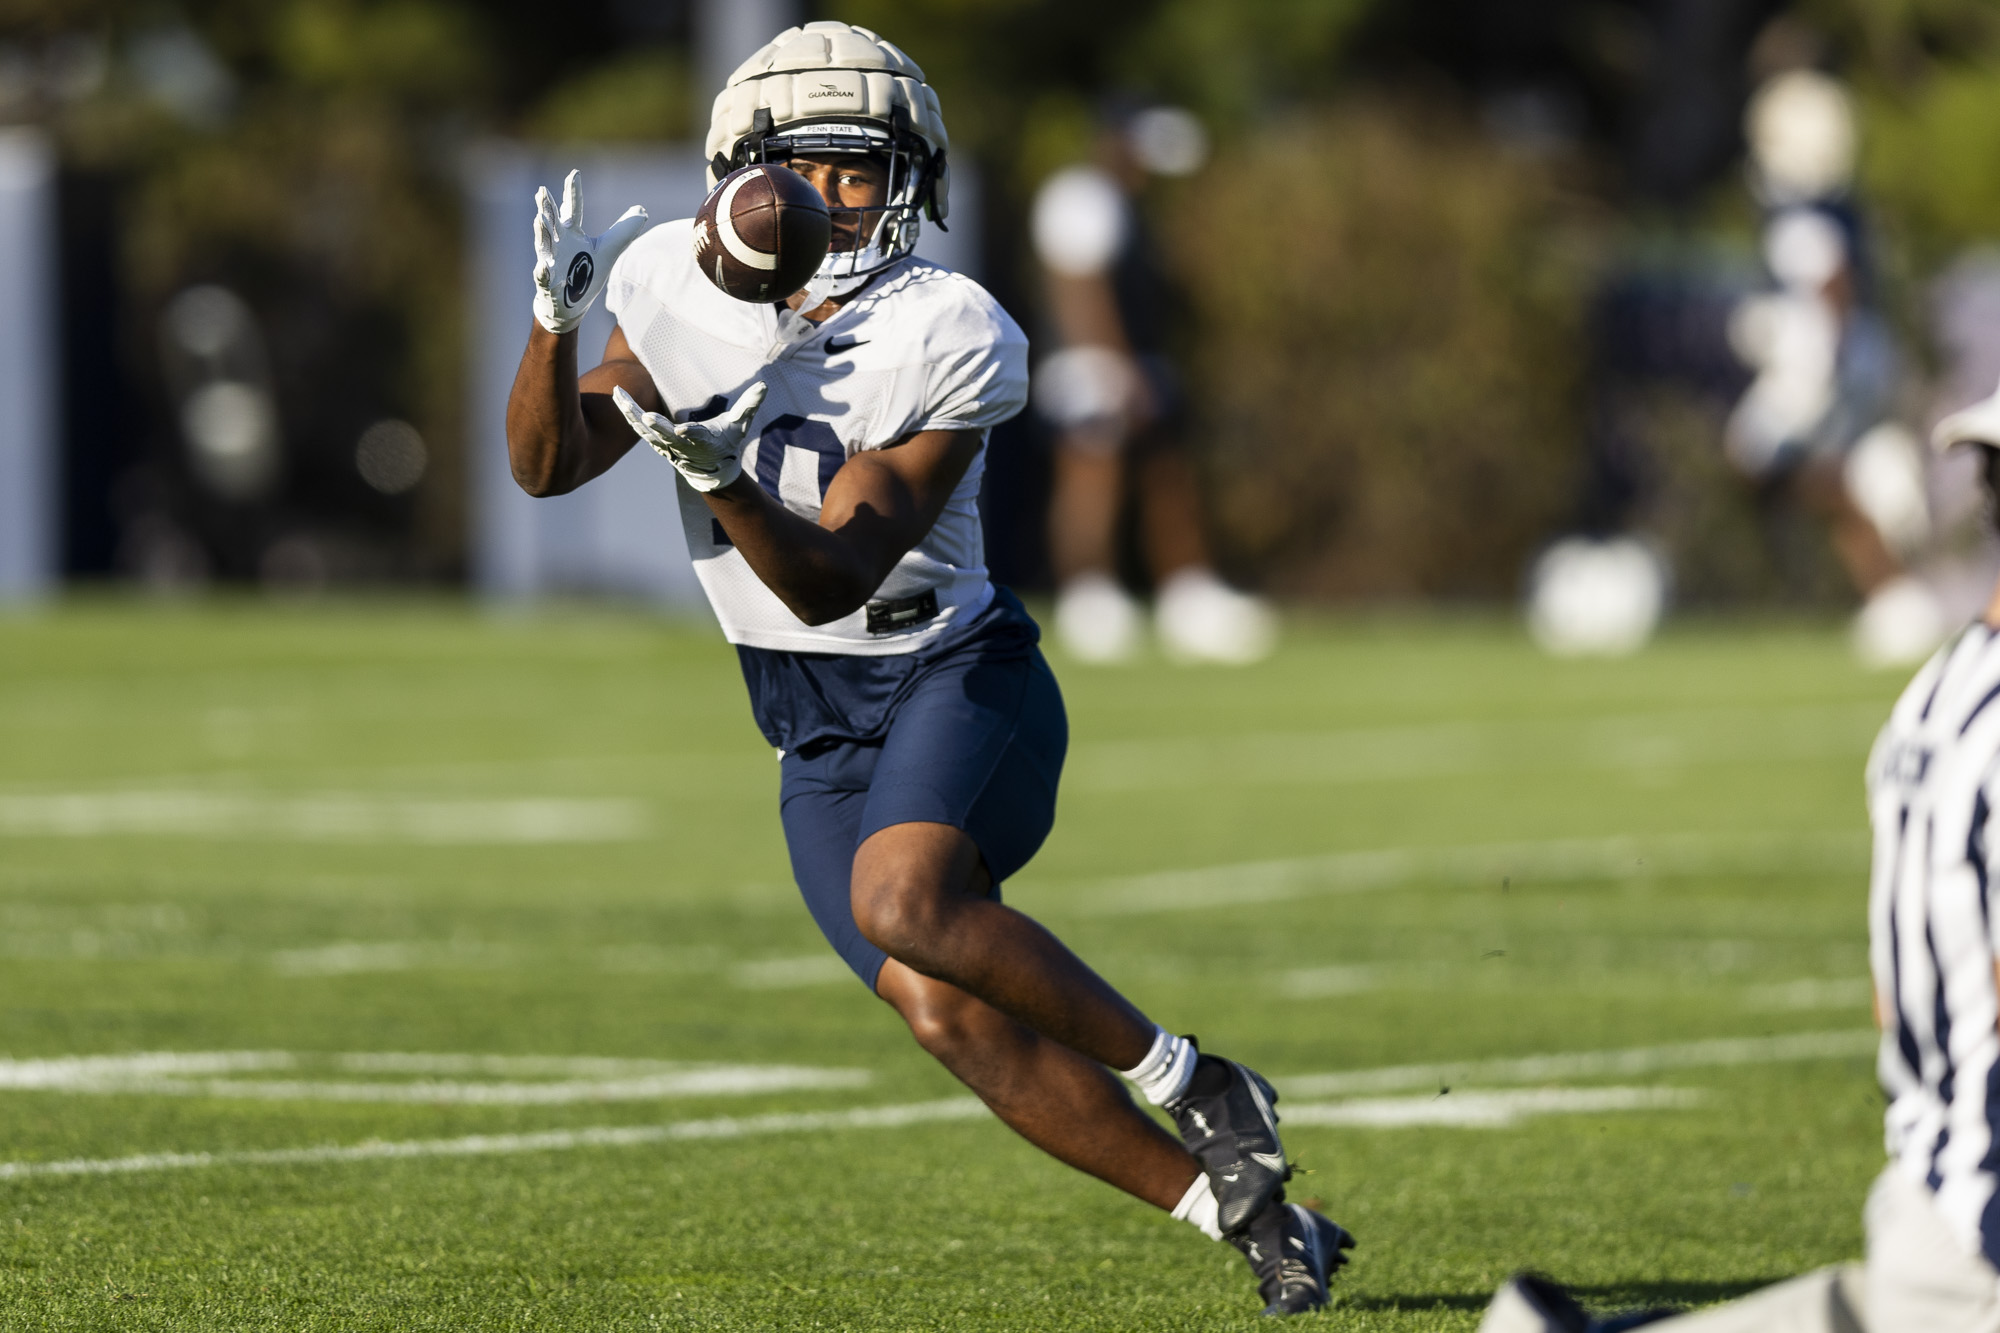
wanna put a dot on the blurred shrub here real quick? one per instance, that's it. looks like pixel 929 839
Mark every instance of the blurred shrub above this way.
pixel 1928 75
pixel 1018 78
pixel 1933 159
pixel 1387 354
pixel 419 51
pixel 1727 543
pixel 640 96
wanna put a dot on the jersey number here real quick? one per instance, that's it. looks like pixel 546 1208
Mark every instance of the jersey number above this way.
pixel 820 452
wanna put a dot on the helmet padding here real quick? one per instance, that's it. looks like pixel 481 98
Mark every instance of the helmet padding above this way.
pixel 833 72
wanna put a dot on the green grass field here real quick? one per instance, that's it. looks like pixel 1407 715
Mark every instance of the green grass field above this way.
pixel 268 843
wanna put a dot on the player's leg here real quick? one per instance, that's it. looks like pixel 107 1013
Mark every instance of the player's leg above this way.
pixel 1863 553
pixel 1096 619
pixel 1059 1100
pixel 961 752
pixel 1084 496
pixel 1072 1108
pixel 967 782
pixel 922 888
pixel 1170 511
pixel 1069 1106
pixel 1200 618
pixel 920 895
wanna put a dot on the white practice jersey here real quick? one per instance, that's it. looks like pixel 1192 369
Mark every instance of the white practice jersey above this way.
pixel 1933 783
pixel 921 348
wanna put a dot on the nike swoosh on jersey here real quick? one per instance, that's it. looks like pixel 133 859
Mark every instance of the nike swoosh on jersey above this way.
pixel 835 347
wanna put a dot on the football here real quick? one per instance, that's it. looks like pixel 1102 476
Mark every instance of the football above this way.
pixel 761 233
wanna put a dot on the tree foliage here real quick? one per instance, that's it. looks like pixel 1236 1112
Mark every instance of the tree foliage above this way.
pixel 1385 352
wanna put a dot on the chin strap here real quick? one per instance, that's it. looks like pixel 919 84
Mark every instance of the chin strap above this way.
pixel 818 292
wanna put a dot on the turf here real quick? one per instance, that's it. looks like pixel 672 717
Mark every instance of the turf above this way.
pixel 1664 849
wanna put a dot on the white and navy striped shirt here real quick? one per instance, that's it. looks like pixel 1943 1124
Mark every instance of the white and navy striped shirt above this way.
pixel 1933 782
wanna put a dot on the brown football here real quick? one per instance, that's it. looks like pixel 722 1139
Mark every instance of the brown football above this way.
pixel 761 233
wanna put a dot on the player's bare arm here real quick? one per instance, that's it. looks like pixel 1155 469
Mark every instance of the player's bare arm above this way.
pixel 880 505
pixel 562 428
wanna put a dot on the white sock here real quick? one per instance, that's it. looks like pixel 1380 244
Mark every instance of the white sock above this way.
pixel 1163 1075
pixel 1197 1208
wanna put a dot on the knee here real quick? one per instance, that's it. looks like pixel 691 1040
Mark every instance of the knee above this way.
pixel 948 1027
pixel 897 914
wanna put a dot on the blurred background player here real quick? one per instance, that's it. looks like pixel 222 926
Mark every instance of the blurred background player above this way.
pixel 1813 377
pixel 1111 394
pixel 1819 420
pixel 1933 1218
pixel 829 498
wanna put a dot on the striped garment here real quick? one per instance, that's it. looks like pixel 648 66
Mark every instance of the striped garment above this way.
pixel 1933 781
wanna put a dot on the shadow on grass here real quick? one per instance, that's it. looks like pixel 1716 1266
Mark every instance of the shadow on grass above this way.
pixel 1603 1296
pixel 1416 1303
pixel 1670 1293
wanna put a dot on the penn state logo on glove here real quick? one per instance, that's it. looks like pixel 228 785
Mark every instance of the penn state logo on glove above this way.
pixel 581 271
pixel 583 261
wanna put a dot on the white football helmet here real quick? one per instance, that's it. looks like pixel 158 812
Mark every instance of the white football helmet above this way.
pixel 834 88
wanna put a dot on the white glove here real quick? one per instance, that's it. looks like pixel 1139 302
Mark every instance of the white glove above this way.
pixel 571 268
pixel 707 453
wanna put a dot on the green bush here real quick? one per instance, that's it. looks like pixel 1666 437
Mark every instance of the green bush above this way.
pixel 1386 352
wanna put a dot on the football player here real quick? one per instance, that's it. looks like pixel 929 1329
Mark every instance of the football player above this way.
pixel 830 449
pixel 1817 423
pixel 1110 391
pixel 1933 1216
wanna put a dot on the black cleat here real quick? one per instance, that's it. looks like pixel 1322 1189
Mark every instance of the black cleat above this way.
pixel 1232 1129
pixel 1293 1251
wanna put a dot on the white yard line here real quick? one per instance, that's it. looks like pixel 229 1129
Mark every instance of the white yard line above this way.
pixel 479 1145
pixel 326 817
pixel 352 957
pixel 1811 993
pixel 1470 1109
pixel 586 1079
pixel 1312 983
pixel 1560 860
pixel 1463 1107
pixel 1716 1053
pixel 65 1072
pixel 725 1081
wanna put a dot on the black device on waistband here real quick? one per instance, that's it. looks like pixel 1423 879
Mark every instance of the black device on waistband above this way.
pixel 886 617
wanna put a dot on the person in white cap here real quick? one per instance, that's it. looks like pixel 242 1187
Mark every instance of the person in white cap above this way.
pixel 1933 1215
pixel 1818 420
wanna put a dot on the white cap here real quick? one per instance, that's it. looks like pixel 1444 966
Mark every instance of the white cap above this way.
pixel 1801 131
pixel 1978 424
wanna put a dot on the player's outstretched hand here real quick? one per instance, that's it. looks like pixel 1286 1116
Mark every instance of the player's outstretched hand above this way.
pixel 707 453
pixel 570 267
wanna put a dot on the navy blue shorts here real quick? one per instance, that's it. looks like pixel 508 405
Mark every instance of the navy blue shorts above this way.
pixel 974 738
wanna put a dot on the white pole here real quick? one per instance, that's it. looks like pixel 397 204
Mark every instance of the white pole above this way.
pixel 29 363
pixel 728 32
